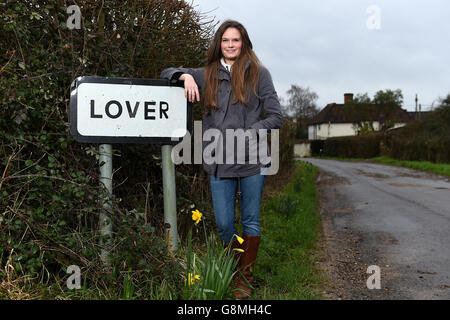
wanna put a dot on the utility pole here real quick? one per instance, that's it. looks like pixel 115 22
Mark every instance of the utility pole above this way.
pixel 416 108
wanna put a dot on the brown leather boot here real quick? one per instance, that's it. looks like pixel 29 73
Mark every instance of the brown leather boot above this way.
pixel 246 266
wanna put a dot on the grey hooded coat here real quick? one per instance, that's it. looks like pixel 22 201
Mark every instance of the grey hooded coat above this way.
pixel 234 116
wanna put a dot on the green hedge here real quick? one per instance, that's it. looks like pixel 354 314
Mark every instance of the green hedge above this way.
pixel 49 208
pixel 365 146
pixel 49 183
pixel 317 147
pixel 287 141
pixel 424 140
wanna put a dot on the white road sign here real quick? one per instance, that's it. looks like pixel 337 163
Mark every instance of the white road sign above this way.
pixel 108 110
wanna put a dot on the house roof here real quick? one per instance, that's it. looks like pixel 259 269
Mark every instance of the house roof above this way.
pixel 331 113
pixel 334 113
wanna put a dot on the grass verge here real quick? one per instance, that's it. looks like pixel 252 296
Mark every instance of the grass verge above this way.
pixel 286 267
pixel 437 168
pixel 426 166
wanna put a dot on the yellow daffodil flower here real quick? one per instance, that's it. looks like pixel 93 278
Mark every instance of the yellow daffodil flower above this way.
pixel 239 239
pixel 238 250
pixel 196 216
pixel 191 278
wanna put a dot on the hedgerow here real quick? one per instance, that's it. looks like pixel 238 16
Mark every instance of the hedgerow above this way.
pixel 49 189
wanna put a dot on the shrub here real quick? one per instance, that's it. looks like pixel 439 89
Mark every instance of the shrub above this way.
pixel 49 183
pixel 317 147
pixel 427 139
pixel 287 141
pixel 364 146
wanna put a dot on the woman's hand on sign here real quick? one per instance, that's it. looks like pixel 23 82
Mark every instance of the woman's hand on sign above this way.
pixel 190 87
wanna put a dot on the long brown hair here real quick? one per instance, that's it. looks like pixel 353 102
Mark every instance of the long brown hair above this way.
pixel 242 79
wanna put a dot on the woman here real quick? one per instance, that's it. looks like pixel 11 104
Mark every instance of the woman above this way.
pixel 236 89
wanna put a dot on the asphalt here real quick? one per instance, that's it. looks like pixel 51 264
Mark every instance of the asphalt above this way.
pixel 397 218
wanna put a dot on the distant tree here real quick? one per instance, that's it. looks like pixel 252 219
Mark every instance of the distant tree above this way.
pixel 445 102
pixel 386 104
pixel 438 122
pixel 301 105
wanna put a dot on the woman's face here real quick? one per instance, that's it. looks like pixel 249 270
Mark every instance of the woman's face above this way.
pixel 231 45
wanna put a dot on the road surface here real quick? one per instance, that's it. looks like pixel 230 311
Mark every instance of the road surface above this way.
pixel 395 218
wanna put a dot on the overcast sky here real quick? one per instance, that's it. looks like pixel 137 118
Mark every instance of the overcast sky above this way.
pixel 339 46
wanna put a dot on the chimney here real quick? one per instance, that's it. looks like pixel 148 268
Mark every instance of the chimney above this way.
pixel 348 97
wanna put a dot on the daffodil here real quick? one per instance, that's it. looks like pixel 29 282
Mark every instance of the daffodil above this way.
pixel 196 216
pixel 239 239
pixel 191 278
pixel 238 250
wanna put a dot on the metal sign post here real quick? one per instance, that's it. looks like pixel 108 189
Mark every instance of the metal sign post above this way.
pixel 105 151
pixel 126 110
pixel 170 199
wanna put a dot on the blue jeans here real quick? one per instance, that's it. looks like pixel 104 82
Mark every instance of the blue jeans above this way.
pixel 223 192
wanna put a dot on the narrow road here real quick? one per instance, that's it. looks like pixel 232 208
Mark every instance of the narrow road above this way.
pixel 395 218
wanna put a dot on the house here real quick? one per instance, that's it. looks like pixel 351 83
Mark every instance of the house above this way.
pixel 332 122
